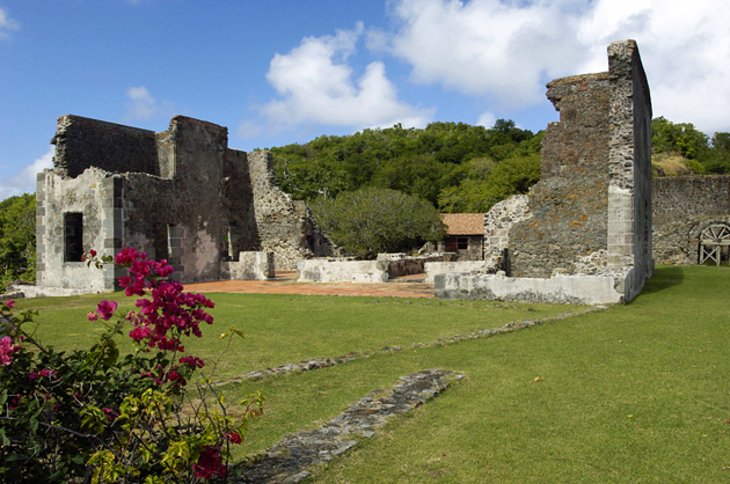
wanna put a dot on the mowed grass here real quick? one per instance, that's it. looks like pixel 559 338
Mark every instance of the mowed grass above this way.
pixel 635 393
pixel 280 329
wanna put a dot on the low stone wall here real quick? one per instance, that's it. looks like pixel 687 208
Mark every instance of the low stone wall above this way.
pixel 400 264
pixel 572 289
pixel 461 267
pixel 342 270
pixel 253 265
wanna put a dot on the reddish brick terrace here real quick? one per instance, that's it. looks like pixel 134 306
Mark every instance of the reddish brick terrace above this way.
pixel 285 283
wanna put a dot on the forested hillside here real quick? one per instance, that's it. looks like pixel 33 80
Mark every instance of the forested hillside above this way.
pixel 455 166
pixel 463 168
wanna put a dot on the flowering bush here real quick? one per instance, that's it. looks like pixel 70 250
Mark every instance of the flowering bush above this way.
pixel 93 415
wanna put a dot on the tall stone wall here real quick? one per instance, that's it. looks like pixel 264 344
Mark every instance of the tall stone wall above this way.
pixel 285 227
pixel 586 227
pixel 629 191
pixel 683 207
pixel 569 204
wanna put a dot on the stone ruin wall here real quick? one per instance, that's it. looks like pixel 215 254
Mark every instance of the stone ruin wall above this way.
pixel 568 205
pixel 683 207
pixel 591 210
pixel 583 232
pixel 181 194
pixel 285 226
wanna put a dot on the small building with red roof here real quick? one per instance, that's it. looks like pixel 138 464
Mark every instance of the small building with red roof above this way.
pixel 464 234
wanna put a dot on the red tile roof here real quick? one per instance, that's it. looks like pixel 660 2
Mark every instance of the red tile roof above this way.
pixel 463 223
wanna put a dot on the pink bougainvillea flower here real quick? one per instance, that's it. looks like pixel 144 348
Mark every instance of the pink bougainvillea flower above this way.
pixel 210 464
pixel 106 309
pixel 7 348
pixel 44 373
pixel 92 316
pixel 234 437
pixel 9 303
pixel 192 361
pixel 92 252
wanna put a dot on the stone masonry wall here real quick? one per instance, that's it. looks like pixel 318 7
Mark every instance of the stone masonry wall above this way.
pixel 682 208
pixel 83 142
pixel 285 226
pixel 181 194
pixel 569 204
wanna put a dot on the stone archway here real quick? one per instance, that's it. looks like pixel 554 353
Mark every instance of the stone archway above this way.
pixel 715 244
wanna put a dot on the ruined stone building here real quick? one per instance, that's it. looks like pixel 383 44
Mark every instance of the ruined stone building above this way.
pixel 180 194
pixel 584 231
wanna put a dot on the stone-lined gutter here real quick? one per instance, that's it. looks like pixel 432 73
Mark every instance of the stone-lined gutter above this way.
pixel 290 459
pixel 318 363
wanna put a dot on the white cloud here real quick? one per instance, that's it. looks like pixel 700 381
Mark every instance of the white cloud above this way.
pixel 487 47
pixel 505 51
pixel 141 104
pixel 25 181
pixel 684 51
pixel 487 119
pixel 315 84
pixel 7 24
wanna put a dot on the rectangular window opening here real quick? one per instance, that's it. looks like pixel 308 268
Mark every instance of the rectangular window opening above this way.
pixel 73 230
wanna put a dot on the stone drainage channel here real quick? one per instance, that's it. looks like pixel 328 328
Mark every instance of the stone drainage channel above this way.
pixel 290 459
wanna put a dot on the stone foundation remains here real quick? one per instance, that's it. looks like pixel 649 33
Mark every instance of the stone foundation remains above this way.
pixel 584 231
pixel 180 194
pixel 385 267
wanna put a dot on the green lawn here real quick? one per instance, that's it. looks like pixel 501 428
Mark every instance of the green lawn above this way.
pixel 635 393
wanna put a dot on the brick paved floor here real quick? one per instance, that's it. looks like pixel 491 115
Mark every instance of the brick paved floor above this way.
pixel 285 283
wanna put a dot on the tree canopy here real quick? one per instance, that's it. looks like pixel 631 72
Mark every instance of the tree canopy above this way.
pixel 373 220
pixel 703 155
pixel 435 163
pixel 17 239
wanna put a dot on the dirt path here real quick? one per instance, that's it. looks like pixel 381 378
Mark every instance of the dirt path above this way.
pixel 285 283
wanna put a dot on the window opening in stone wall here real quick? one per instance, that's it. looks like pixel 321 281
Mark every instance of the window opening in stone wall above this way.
pixel 174 247
pixel 455 244
pixel 715 244
pixel 229 249
pixel 73 230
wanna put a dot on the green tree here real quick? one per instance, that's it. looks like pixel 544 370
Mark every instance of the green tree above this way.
pixel 375 220
pixel 503 179
pixel 17 239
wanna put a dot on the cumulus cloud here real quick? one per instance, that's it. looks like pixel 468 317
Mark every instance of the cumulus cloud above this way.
pixel 315 84
pixel 487 119
pixel 140 103
pixel 684 51
pixel 7 24
pixel 487 47
pixel 504 51
pixel 24 182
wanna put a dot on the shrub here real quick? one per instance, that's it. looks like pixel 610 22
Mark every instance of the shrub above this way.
pixel 93 415
pixel 374 220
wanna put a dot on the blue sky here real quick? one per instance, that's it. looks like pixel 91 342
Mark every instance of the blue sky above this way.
pixel 277 72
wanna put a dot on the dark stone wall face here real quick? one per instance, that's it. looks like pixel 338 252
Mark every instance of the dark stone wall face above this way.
pixel 683 207
pixel 569 204
pixel 83 142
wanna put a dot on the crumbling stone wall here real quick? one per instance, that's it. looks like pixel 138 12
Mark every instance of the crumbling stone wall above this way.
pixel 683 207
pixel 181 194
pixel 568 206
pixel 593 202
pixel 285 226
pixel 83 142
pixel 585 228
